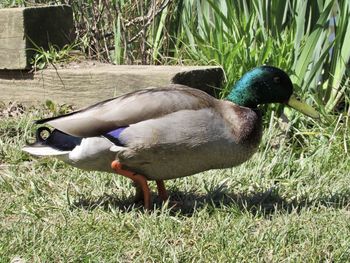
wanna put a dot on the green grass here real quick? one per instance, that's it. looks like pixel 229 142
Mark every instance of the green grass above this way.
pixel 290 202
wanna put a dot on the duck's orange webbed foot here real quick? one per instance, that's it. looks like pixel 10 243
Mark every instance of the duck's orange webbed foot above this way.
pixel 138 179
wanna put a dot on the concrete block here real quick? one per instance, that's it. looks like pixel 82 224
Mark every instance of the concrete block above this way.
pixel 21 27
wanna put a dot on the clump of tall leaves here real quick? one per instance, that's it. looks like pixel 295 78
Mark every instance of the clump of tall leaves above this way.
pixel 307 38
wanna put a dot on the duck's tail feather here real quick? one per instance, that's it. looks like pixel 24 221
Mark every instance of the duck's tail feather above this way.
pixel 57 143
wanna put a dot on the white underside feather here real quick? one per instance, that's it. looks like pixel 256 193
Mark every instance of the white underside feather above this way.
pixel 44 151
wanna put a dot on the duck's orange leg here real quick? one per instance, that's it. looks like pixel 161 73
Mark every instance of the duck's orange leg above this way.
pixel 162 193
pixel 138 179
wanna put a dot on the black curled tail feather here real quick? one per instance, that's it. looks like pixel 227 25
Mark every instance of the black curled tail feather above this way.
pixel 56 139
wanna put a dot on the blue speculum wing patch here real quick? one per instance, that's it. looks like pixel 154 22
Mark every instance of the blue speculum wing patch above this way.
pixel 113 136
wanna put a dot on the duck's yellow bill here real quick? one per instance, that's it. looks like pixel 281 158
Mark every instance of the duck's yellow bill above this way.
pixel 303 107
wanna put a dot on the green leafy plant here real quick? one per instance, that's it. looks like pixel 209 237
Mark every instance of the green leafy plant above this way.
pixel 293 35
pixel 44 57
pixel 57 109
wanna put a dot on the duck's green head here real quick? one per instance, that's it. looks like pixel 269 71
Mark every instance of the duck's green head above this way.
pixel 267 84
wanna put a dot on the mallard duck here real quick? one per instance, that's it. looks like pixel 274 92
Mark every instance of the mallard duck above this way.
pixel 169 132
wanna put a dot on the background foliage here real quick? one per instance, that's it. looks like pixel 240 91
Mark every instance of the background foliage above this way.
pixel 309 39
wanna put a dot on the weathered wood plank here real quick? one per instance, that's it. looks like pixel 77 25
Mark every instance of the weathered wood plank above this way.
pixel 84 85
pixel 21 27
pixel 12 43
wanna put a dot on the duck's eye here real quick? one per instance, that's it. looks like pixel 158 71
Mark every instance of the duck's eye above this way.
pixel 277 80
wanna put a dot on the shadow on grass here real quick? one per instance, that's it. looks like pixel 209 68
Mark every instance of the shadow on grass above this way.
pixel 187 203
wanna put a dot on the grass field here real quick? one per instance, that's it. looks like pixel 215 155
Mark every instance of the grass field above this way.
pixel 289 203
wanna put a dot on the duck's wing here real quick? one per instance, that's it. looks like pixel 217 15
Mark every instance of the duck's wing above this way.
pixel 130 108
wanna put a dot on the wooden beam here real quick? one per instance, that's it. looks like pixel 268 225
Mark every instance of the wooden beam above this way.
pixel 24 29
pixel 85 84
